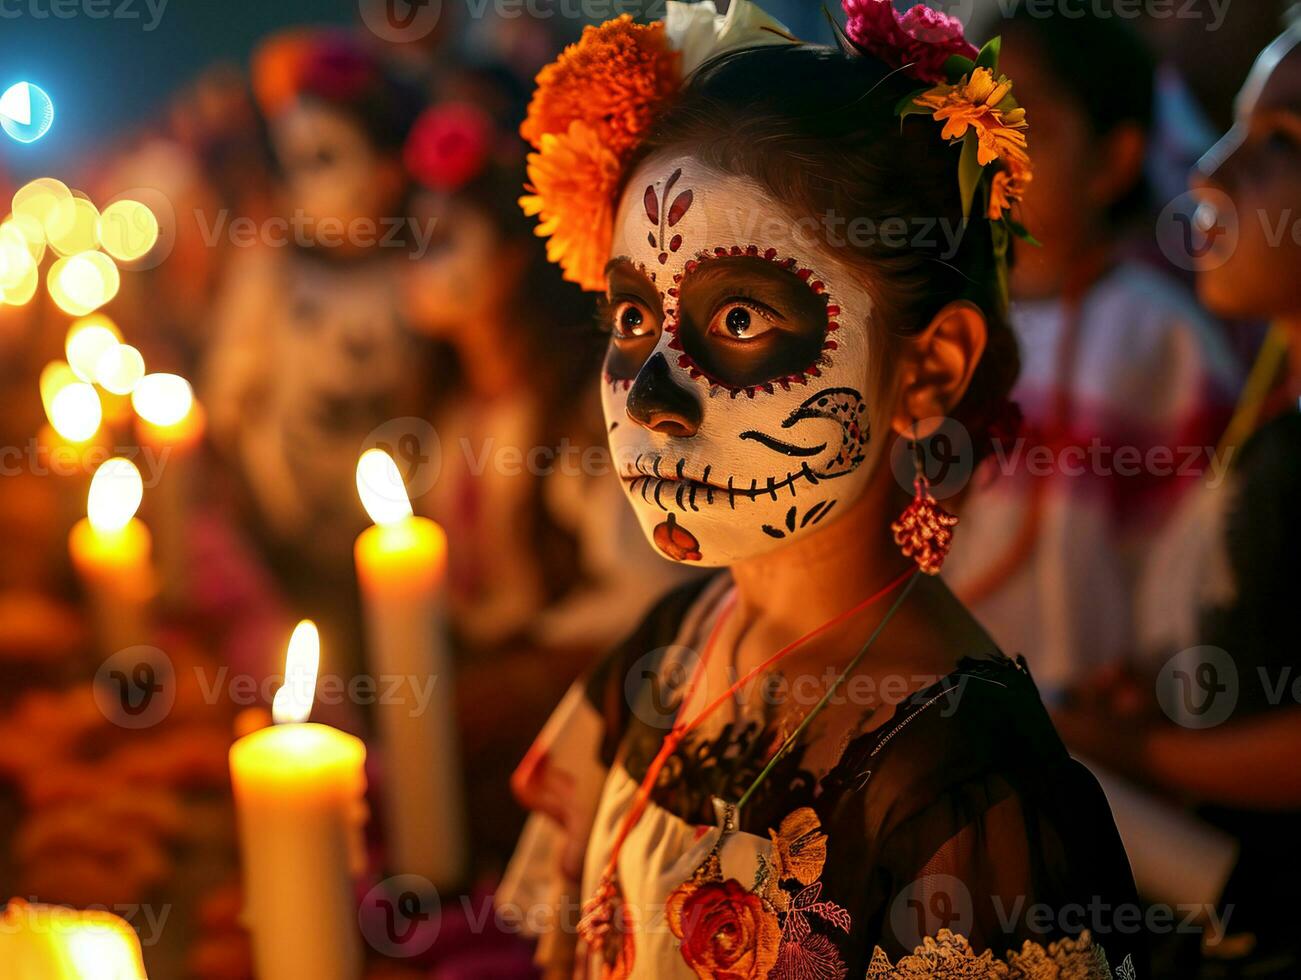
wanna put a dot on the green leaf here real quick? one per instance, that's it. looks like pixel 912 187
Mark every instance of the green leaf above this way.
pixel 955 66
pixel 988 57
pixel 969 171
pixel 1020 231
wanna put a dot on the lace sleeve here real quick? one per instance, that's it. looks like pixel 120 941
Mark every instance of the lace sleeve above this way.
pixel 951 956
pixel 1019 875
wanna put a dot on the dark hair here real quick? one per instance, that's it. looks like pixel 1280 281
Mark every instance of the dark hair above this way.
pixel 1103 66
pixel 817 128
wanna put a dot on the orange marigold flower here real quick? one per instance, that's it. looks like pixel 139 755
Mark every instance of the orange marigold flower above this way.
pixel 572 182
pixel 614 79
pixel 1005 190
pixel 985 104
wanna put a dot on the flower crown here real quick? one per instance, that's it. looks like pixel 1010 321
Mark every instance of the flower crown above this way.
pixel 596 103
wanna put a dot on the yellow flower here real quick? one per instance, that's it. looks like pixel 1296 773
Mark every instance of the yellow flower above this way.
pixel 983 103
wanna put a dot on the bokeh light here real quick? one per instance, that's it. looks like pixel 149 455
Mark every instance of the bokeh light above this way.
pixel 119 369
pixel 55 376
pixel 127 230
pixel 81 283
pixel 115 494
pixel 75 411
pixel 88 339
pixel 38 198
pixel 72 226
pixel 162 399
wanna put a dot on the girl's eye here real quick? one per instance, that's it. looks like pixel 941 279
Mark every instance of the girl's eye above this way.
pixel 631 319
pixel 740 320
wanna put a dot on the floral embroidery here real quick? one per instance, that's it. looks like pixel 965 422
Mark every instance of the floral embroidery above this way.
pixel 948 956
pixel 727 931
pixel 799 853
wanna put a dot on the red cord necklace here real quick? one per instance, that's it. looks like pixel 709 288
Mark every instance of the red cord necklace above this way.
pixel 598 911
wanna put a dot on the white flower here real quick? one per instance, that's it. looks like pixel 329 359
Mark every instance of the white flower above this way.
pixel 700 32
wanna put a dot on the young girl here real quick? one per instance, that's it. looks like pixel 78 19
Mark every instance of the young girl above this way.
pixel 817 764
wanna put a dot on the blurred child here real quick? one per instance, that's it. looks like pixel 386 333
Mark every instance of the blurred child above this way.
pixel 546 567
pixel 308 356
pixel 1228 731
pixel 1123 378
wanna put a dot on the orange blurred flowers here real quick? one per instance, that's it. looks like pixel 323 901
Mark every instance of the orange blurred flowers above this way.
pixel 1007 188
pixel 985 104
pixel 592 107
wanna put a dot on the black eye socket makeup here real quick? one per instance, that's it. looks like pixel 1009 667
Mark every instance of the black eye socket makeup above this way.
pixel 746 321
pixel 633 315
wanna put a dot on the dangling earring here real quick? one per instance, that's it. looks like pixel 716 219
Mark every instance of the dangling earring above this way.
pixel 924 531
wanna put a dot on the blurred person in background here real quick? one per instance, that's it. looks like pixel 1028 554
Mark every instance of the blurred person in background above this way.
pixel 204 162
pixel 307 354
pixel 546 566
pixel 1224 728
pixel 1119 365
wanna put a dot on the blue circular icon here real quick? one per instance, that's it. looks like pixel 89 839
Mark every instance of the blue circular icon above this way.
pixel 26 112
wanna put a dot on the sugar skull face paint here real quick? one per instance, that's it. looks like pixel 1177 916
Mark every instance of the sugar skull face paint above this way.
pixel 734 383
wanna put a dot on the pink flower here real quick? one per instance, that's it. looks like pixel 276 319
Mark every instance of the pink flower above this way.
pixel 919 41
pixel 448 146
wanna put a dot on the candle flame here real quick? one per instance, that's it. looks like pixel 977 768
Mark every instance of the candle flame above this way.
pixel 379 484
pixel 115 494
pixel 162 399
pixel 75 411
pixel 293 702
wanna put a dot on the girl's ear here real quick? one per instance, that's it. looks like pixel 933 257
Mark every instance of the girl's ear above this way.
pixel 938 365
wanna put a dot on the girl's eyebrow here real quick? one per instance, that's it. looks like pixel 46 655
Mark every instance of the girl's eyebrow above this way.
pixel 623 267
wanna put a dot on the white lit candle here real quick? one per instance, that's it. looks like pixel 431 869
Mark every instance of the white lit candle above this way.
pixel 169 427
pixel 299 803
pixel 401 564
pixel 111 550
pixel 51 942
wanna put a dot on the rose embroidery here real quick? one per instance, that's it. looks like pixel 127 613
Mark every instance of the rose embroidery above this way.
pixel 727 931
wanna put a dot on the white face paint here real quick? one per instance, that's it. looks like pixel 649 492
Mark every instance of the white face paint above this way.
pixel 734 388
